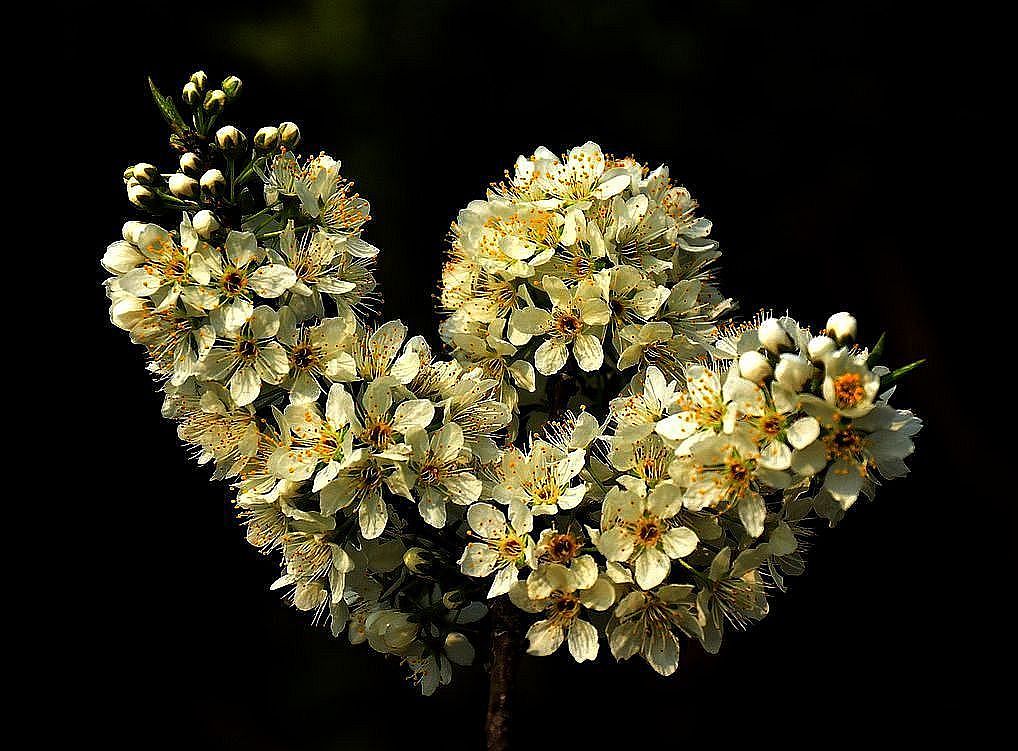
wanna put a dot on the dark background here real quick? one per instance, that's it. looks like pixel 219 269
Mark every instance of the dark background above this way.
pixel 840 154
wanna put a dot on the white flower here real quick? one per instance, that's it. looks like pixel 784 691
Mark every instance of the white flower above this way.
pixel 646 622
pixel 849 385
pixel 244 357
pixel 316 354
pixel 574 321
pixel 635 528
pixel 561 593
pixel 316 438
pixel 703 409
pixel 880 440
pixel 728 473
pixel 502 550
pixel 439 471
pixel 771 422
pixel 155 263
pixel 237 274
pixel 377 354
pixel 648 407
pixel 541 482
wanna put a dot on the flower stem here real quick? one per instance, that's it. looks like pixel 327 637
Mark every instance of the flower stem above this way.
pixel 505 649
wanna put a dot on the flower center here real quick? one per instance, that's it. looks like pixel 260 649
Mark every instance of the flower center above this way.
pixel 648 531
pixel 568 325
pixel 564 605
pixel 844 444
pixel 233 282
pixel 562 548
pixel 303 357
pixel 848 390
pixel 547 492
pixel 511 548
pixel 370 477
pixel 247 349
pixel 772 425
pixel 430 475
pixel 378 435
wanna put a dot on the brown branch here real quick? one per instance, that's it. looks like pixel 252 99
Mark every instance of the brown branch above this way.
pixel 505 650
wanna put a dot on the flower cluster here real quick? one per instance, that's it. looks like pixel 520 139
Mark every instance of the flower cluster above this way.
pixel 573 255
pixel 398 486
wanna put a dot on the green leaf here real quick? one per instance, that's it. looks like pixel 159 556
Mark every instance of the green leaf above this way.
pixel 878 350
pixel 895 376
pixel 167 109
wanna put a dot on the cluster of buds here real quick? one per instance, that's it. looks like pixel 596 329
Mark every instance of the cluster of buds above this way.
pixel 197 95
pixel 217 160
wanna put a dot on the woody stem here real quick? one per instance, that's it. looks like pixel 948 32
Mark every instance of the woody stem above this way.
pixel 505 649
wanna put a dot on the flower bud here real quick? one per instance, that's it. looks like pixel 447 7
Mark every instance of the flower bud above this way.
pixel 183 186
pixel 141 196
pixel 842 327
pixel 419 560
pixel 753 366
pixel 131 231
pixel 214 101
pixel 232 86
pixel 231 141
pixel 145 173
pixel 773 336
pixel 190 164
pixel 820 347
pixel 205 223
pixel 191 95
pixel 455 599
pixel 289 134
pixel 267 138
pixel 214 182
pixel 793 371
pixel 199 79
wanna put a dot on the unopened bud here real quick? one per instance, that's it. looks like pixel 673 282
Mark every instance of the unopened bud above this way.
pixel 231 141
pixel 205 223
pixel 773 336
pixel 191 95
pixel 820 347
pixel 792 371
pixel 141 196
pixel 754 367
pixel 267 138
pixel 184 186
pixel 418 560
pixel 190 164
pixel 289 134
pixel 842 327
pixel 199 79
pixel 455 599
pixel 232 86
pixel 131 231
pixel 145 173
pixel 214 101
pixel 214 182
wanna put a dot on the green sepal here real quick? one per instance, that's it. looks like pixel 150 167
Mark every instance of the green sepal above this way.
pixel 167 109
pixel 878 350
pixel 891 378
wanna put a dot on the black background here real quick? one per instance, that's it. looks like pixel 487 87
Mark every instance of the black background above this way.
pixel 839 153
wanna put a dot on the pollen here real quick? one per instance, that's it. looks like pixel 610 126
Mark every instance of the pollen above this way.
pixel 848 390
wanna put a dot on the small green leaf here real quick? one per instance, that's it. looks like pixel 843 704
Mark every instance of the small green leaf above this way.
pixel 878 350
pixel 895 376
pixel 167 109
